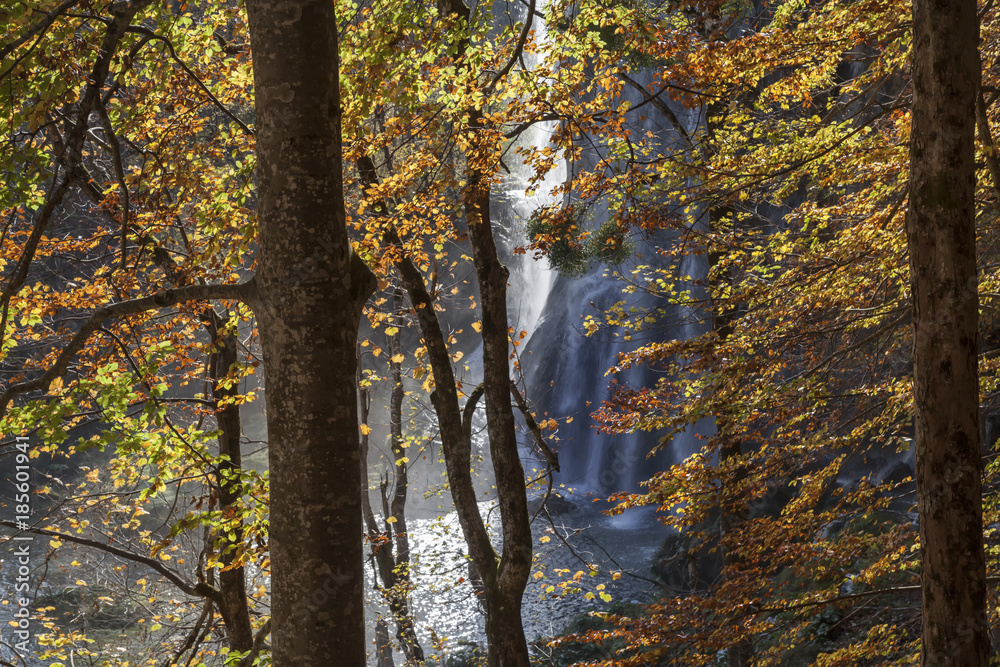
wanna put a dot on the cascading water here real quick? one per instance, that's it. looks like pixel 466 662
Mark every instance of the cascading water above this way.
pixel 565 368
pixel 549 308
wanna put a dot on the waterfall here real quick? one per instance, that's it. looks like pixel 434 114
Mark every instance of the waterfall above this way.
pixel 531 280
pixel 566 369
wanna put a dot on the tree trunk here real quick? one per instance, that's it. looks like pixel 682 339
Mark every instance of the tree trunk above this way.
pixel 383 646
pixel 504 629
pixel 942 242
pixel 399 603
pixel 232 580
pixel 392 568
pixel 308 306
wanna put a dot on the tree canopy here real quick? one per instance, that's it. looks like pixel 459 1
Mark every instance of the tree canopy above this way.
pixel 218 215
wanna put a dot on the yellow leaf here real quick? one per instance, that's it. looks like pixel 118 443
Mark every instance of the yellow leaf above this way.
pixel 477 326
pixel 391 519
pixel 398 359
pixel 55 385
pixel 365 429
pixel 392 331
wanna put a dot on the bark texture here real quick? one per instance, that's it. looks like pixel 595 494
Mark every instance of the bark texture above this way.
pixel 309 297
pixel 232 579
pixel 504 587
pixel 942 243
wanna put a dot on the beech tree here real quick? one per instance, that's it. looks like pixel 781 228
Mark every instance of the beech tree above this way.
pixel 307 291
pixel 802 143
pixel 941 234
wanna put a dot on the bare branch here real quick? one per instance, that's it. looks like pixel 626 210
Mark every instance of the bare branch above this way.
pixel 258 644
pixel 201 589
pixel 529 419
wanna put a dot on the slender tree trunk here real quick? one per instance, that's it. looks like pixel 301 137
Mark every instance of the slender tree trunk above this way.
pixel 233 604
pixel 504 578
pixel 399 603
pixel 310 294
pixel 383 647
pixel 392 568
pixel 232 580
pixel 505 635
pixel 508 646
pixel 942 242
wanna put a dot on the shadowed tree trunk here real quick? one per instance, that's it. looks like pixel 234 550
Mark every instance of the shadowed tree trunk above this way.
pixel 310 292
pixel 941 235
pixel 505 575
pixel 383 647
pixel 232 580
pixel 392 566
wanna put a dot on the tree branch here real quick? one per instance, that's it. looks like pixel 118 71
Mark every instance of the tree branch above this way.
pixel 142 30
pixel 518 48
pixel 529 419
pixel 258 644
pixel 851 596
pixel 986 137
pixel 241 291
pixel 39 27
pixel 201 589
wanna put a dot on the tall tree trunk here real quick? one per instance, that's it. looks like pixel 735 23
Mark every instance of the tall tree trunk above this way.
pixel 504 629
pixel 232 580
pixel 942 242
pixel 310 294
pixel 503 576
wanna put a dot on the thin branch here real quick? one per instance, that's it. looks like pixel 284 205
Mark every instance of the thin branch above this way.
pixel 529 419
pixel 241 291
pixel 851 596
pixel 470 409
pixel 258 644
pixel 192 636
pixel 142 30
pixel 986 137
pixel 201 589
pixel 72 151
pixel 39 29
pixel 660 105
pixel 116 159
pixel 516 55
